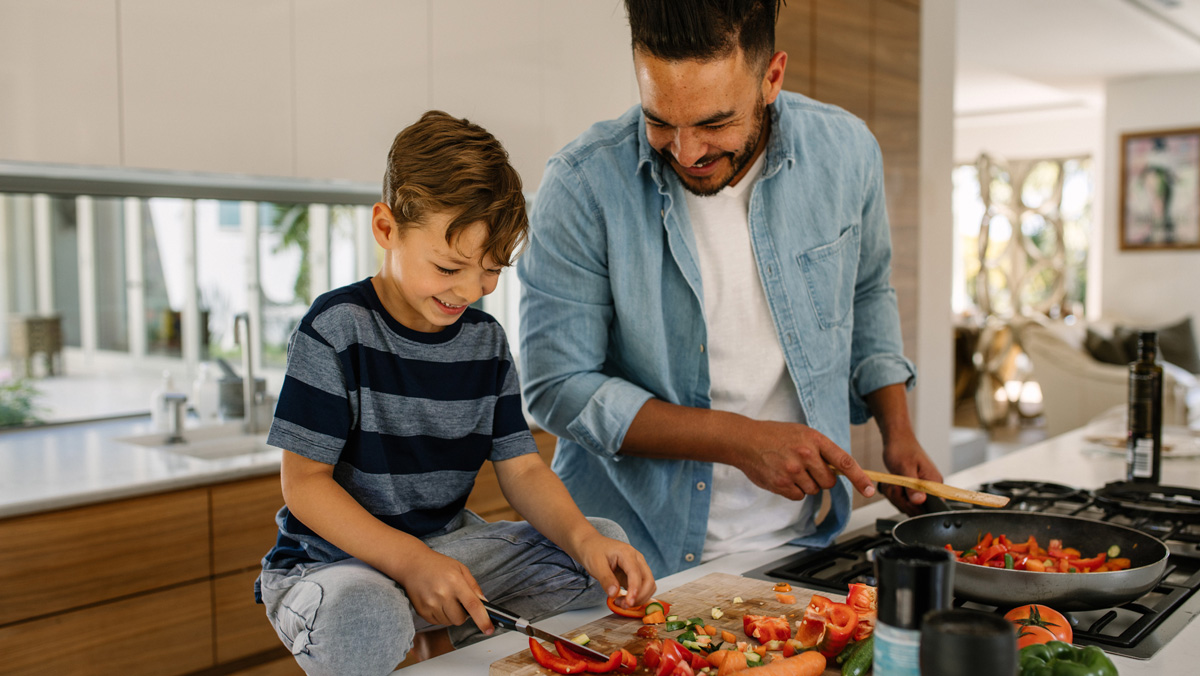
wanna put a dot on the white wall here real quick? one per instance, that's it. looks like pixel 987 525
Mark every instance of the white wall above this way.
pixel 1060 133
pixel 300 87
pixel 1147 286
pixel 935 353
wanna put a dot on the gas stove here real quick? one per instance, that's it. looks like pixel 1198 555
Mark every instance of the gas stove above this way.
pixel 1136 629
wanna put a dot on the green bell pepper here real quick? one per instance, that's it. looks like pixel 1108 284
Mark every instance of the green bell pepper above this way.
pixel 1056 658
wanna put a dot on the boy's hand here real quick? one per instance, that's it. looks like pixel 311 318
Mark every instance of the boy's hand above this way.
pixel 442 590
pixel 615 564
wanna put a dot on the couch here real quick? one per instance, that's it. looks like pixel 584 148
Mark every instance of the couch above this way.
pixel 1077 387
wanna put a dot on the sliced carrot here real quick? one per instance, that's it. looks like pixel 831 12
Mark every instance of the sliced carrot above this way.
pixel 783 587
pixel 709 629
pixel 656 617
pixel 728 637
pixel 786 598
pixel 734 662
pixel 808 663
pixel 716 657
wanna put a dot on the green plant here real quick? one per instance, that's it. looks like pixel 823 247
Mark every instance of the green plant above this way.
pixel 17 405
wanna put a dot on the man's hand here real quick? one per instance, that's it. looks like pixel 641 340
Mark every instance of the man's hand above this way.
pixel 442 590
pixel 904 456
pixel 616 564
pixel 793 460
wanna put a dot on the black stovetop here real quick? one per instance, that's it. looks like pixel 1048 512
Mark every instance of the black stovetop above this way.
pixel 1136 629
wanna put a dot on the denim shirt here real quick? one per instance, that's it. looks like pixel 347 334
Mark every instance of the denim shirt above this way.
pixel 613 313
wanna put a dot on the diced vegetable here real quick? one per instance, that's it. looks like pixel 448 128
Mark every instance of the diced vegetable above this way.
pixel 581 639
pixel 716 613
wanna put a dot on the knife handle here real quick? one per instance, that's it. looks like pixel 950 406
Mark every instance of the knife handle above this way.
pixel 504 618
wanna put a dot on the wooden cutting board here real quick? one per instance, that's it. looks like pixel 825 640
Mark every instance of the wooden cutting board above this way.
pixel 694 599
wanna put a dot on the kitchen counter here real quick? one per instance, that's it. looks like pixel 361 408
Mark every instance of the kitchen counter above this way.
pixel 1068 459
pixel 62 466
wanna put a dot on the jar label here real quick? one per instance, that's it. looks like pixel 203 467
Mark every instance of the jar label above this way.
pixel 897 651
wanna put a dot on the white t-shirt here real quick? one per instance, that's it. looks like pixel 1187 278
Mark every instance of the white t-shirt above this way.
pixel 746 368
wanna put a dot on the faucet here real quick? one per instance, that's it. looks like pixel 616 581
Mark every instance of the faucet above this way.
pixel 249 390
pixel 174 402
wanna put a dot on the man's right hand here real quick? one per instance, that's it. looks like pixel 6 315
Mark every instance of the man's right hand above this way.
pixel 442 590
pixel 793 460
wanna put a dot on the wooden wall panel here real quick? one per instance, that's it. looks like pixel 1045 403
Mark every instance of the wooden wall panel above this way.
pixel 160 634
pixel 243 519
pixel 57 560
pixel 842 70
pixel 794 35
pixel 241 624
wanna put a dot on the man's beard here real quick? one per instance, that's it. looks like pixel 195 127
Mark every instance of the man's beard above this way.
pixel 737 160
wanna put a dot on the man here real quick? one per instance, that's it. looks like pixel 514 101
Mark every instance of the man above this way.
pixel 706 303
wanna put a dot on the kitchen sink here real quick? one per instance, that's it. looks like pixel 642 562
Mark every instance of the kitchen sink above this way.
pixel 208 443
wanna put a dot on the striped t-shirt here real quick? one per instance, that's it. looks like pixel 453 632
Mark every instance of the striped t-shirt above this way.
pixel 406 418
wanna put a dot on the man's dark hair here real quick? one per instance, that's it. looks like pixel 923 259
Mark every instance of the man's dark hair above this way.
pixel 704 30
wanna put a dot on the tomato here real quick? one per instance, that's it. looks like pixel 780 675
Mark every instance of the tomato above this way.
pixel 636 611
pixel 647 631
pixel 1036 616
pixel 1032 635
pixel 652 655
pixel 765 628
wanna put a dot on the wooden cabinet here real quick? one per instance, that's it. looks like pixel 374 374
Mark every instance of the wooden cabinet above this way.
pixel 241 534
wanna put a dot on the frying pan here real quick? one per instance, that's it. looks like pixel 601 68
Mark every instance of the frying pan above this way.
pixel 1062 591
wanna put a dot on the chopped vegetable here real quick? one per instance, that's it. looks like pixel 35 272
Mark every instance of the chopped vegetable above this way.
pixel 737 599
pixel 804 664
pixel 716 613
pixel 636 611
pixel 1000 552
pixel 861 655
pixel 783 587
pixel 654 618
pixel 765 628
pixel 786 599
pixel 581 639
pixel 556 663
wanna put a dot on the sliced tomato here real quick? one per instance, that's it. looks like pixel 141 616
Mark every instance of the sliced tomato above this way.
pixel 652 655
pixel 647 631
pixel 555 663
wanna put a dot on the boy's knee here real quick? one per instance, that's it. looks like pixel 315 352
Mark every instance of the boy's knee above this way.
pixel 358 628
pixel 609 528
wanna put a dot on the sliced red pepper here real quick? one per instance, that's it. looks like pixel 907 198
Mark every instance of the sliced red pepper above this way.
pixel 613 662
pixel 984 543
pixel 636 611
pixel 864 599
pixel 986 554
pixel 766 629
pixel 810 632
pixel 839 627
pixel 1089 564
pixel 555 663
pixel 629 662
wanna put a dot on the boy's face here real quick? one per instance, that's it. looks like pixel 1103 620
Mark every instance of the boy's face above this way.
pixel 425 283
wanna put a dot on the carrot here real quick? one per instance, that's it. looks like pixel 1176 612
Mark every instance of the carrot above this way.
pixel 716 657
pixel 786 598
pixel 728 637
pixel 733 663
pixel 808 663
pixel 655 617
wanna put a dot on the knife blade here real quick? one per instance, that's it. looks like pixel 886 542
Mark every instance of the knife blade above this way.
pixel 510 620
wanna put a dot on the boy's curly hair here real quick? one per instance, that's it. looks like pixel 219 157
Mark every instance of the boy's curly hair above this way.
pixel 443 163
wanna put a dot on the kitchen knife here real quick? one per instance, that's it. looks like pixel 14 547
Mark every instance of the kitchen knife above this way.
pixel 509 620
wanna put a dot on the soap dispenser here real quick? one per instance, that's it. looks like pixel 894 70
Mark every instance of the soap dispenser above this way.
pixel 206 395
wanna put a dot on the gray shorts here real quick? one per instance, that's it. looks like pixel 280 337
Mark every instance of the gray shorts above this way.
pixel 348 618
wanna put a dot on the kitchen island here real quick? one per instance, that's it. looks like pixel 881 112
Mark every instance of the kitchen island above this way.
pixel 1068 459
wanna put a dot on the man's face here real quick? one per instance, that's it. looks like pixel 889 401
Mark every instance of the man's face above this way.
pixel 706 118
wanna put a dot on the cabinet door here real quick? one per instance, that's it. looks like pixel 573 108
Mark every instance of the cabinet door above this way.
pixel 242 626
pixel 159 634
pixel 243 522
pixel 58 560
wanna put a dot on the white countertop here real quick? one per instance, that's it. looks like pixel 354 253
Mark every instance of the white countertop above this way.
pixel 1067 459
pixel 70 465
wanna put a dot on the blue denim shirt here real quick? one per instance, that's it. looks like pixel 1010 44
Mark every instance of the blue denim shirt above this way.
pixel 613 314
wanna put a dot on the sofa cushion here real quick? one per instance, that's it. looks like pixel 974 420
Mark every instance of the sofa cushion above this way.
pixel 1176 344
pixel 1110 349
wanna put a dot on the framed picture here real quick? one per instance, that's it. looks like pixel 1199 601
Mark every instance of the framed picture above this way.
pixel 1160 190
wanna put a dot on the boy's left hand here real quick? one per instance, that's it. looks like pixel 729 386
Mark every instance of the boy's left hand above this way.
pixel 616 564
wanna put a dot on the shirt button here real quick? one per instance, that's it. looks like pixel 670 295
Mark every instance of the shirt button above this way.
pixel 701 486
pixel 689 557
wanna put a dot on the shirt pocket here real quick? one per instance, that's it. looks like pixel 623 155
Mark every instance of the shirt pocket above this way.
pixel 830 271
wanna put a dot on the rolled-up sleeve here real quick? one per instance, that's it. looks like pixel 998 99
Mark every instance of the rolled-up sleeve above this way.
pixel 876 357
pixel 566 311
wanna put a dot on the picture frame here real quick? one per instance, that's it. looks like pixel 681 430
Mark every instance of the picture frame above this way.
pixel 1160 190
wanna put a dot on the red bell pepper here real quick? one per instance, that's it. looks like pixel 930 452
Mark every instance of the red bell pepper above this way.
pixel 810 632
pixel 840 624
pixel 1089 564
pixel 864 599
pixel 629 662
pixel 766 629
pixel 636 611
pixel 592 666
pixel 556 663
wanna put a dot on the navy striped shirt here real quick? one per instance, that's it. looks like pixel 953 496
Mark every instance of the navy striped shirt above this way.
pixel 406 418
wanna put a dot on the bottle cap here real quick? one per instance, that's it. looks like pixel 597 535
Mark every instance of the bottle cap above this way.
pixel 913 580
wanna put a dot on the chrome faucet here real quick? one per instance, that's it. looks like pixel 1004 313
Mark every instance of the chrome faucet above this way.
pixel 176 413
pixel 249 390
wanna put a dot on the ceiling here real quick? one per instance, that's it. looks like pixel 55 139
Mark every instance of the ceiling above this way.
pixel 1045 55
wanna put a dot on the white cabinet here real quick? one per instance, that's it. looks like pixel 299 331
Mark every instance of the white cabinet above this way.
pixel 362 75
pixel 207 86
pixel 58 82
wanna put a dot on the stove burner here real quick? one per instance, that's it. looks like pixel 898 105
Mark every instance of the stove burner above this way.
pixel 1139 499
pixel 1036 492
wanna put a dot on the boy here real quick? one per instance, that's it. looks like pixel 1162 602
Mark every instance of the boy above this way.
pixel 396 392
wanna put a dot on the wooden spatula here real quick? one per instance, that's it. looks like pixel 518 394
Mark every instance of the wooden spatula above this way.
pixel 935 488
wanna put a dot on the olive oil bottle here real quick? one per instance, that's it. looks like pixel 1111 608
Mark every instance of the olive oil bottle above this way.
pixel 1143 457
